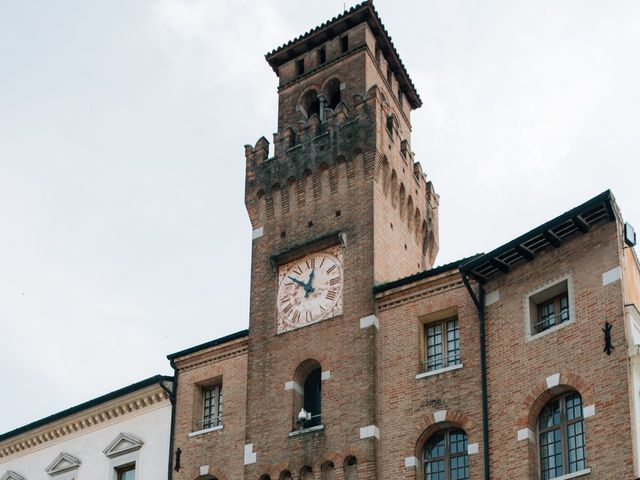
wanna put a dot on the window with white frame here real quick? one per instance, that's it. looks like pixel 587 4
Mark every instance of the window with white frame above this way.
pixel 549 307
pixel 126 472
pixel 442 344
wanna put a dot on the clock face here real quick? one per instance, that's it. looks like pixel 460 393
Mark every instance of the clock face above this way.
pixel 310 289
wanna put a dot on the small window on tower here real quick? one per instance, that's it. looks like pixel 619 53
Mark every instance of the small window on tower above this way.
pixel 300 67
pixel 389 75
pixel 344 44
pixel 549 308
pixel 322 55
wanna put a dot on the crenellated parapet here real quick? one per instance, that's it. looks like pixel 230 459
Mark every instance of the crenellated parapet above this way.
pixel 313 160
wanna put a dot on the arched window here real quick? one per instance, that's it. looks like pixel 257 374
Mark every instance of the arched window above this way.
pixel 308 398
pixel 445 456
pixel 286 475
pixel 561 436
pixel 310 103
pixel 333 93
pixel 350 468
pixel 313 397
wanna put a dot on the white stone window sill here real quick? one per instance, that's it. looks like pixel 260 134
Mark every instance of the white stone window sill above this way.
pixel 295 433
pixel 206 430
pixel 439 371
pixel 580 473
pixel 548 331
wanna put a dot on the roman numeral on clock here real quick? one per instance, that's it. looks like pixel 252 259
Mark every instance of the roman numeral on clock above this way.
pixel 311 263
pixel 308 316
pixel 331 268
pixel 296 316
pixel 334 281
pixel 331 295
pixel 287 308
pixel 297 271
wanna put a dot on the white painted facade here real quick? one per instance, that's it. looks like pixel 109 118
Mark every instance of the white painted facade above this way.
pixel 91 444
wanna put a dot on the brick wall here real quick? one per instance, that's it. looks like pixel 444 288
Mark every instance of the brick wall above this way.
pixel 220 449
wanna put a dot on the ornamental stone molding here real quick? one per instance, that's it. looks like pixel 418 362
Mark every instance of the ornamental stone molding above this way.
pixel 62 463
pixel 11 475
pixel 80 422
pixel 123 443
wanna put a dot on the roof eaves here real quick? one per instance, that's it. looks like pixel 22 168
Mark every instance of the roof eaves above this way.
pixel 424 274
pixel 605 198
pixel 212 343
pixel 156 379
pixel 413 96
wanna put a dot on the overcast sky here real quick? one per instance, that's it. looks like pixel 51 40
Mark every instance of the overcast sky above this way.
pixel 122 126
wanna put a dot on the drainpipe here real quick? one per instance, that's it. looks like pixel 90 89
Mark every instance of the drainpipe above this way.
pixel 172 398
pixel 478 300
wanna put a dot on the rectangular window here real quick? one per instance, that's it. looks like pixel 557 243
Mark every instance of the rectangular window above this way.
pixel 300 66
pixel 549 307
pixel 126 472
pixel 344 44
pixel 212 414
pixel 442 341
pixel 322 55
pixel 389 76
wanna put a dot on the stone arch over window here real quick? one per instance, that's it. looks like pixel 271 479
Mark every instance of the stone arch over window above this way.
pixel 265 477
pixel 547 402
pixel 332 93
pixel 328 471
pixel 309 103
pixel 548 388
pixel 307 405
pixel 285 475
pixel 350 467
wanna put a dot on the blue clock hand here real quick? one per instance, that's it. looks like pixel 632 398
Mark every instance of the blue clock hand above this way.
pixel 308 288
pixel 302 284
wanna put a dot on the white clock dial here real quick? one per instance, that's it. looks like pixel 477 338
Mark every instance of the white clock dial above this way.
pixel 310 289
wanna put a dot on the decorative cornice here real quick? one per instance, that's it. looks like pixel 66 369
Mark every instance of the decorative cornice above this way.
pixel 131 405
pixel 206 358
pixel 419 291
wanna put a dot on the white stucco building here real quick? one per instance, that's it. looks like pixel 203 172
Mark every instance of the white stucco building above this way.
pixel 123 435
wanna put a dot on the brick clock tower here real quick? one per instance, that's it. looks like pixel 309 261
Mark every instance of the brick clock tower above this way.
pixel 340 207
